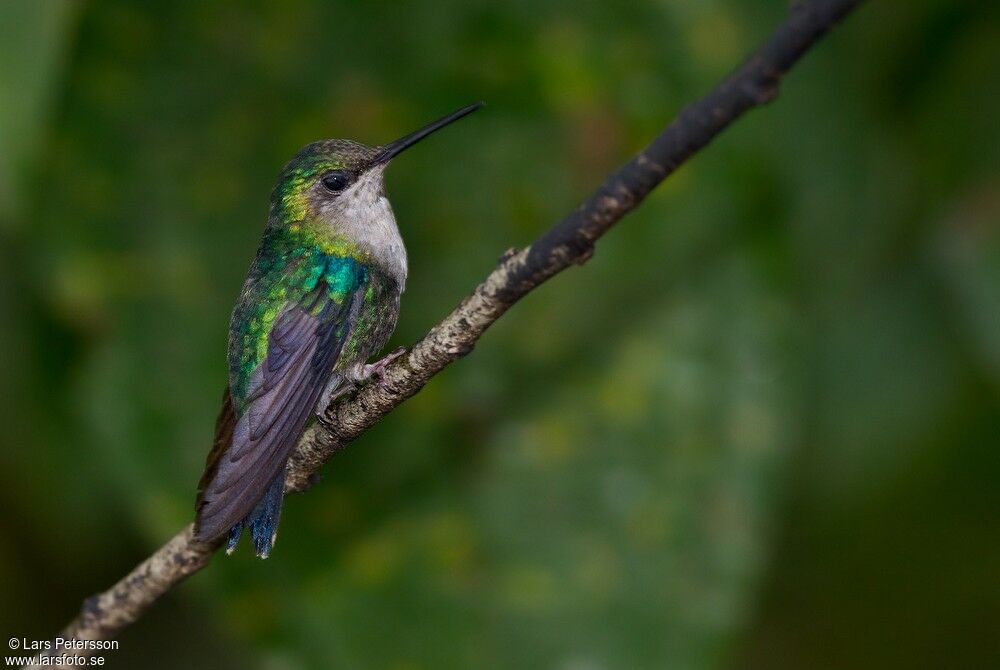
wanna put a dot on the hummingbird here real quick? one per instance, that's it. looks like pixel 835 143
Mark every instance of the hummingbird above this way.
pixel 321 298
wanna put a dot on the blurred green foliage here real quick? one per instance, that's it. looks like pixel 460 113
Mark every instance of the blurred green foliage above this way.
pixel 758 429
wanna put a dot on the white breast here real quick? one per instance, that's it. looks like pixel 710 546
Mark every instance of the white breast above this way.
pixel 364 214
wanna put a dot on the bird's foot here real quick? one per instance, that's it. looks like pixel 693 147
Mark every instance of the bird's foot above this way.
pixel 338 387
pixel 377 369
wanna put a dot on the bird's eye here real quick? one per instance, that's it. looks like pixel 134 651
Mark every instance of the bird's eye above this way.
pixel 336 181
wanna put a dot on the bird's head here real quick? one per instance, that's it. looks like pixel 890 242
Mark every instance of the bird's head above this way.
pixel 337 180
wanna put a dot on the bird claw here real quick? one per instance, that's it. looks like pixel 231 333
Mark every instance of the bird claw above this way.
pixel 377 369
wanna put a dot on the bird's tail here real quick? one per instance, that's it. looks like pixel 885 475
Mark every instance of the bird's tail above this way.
pixel 262 520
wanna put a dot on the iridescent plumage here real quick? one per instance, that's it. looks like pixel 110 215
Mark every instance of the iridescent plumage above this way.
pixel 321 297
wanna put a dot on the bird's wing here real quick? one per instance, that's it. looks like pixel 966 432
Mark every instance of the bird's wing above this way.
pixel 303 346
pixel 225 423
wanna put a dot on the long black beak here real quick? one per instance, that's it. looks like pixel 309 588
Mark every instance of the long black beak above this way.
pixel 393 149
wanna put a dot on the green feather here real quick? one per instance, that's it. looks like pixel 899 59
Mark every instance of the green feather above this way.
pixel 290 265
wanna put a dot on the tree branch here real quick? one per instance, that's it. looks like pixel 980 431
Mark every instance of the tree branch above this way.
pixel 571 241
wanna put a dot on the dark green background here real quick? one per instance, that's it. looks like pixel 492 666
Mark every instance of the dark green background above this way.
pixel 758 430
